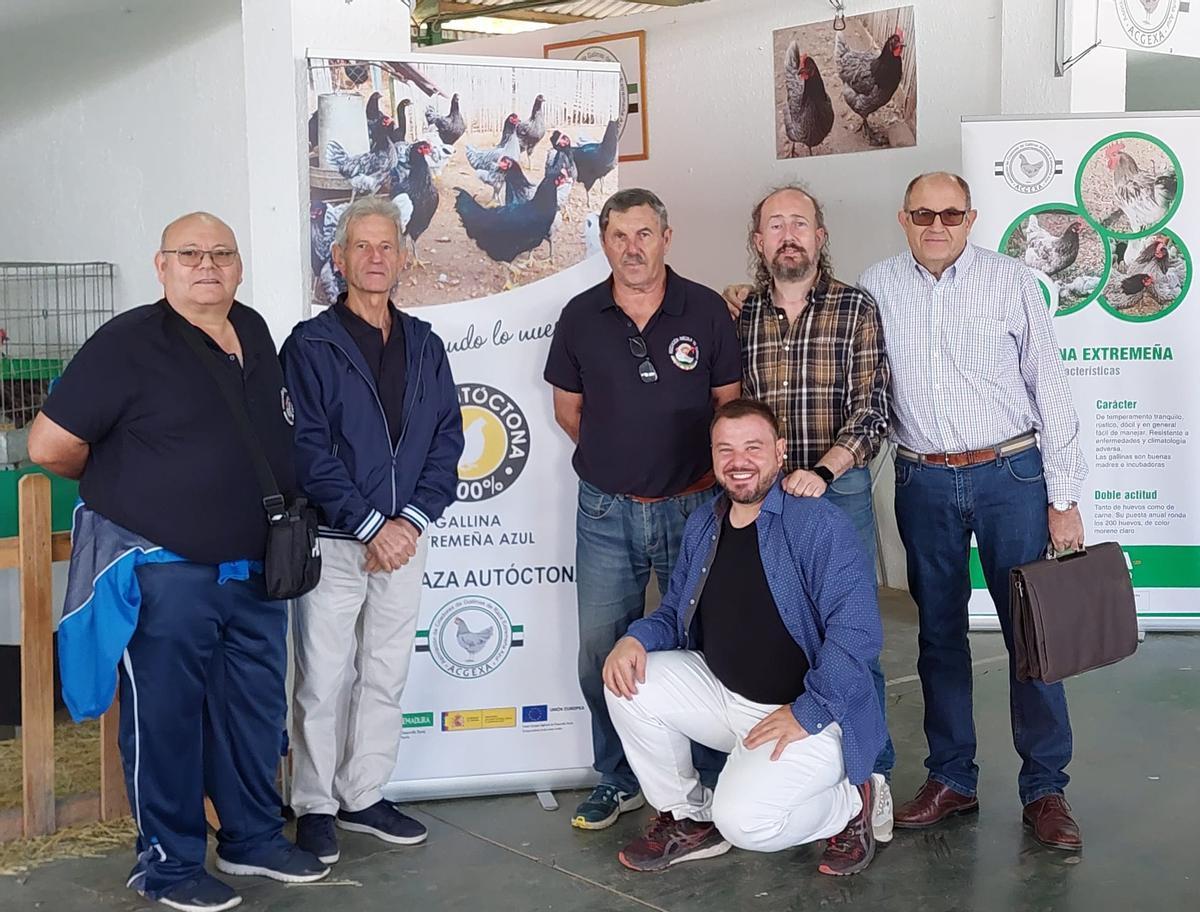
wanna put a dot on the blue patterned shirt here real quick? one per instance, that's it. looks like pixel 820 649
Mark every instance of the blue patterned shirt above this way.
pixel 824 589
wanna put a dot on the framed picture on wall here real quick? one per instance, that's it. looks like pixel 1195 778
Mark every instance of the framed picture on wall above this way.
pixel 629 50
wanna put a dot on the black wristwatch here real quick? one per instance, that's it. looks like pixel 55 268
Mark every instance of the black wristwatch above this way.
pixel 823 473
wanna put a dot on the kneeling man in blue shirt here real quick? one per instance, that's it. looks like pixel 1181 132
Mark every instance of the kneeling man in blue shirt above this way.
pixel 761 647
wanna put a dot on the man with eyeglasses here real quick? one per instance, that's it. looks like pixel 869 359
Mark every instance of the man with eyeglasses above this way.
pixel 166 567
pixel 988 444
pixel 638 364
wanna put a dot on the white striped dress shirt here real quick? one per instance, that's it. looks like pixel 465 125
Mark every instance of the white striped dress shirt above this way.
pixel 975 361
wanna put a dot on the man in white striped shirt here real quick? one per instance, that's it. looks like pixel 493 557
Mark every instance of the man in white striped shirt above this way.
pixel 988 445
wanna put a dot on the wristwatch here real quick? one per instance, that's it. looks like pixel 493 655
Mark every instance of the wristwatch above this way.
pixel 1062 506
pixel 823 473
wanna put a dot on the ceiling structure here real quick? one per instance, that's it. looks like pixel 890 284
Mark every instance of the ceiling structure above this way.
pixel 439 20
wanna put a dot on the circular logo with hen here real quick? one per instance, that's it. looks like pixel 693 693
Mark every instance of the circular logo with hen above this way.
pixel 470 637
pixel 1148 23
pixel 1029 166
pixel 684 352
pixel 495 442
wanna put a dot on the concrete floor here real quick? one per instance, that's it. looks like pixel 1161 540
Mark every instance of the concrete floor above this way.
pixel 1137 737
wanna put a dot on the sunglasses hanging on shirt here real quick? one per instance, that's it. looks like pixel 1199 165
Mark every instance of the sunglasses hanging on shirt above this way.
pixel 637 348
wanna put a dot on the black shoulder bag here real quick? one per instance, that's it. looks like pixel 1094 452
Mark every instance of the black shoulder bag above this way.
pixel 292 564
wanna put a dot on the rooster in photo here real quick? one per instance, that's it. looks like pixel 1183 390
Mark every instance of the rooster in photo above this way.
pixel 870 80
pixel 417 198
pixel 530 132
pixel 486 161
pixel 1048 253
pixel 451 127
pixel 594 160
pixel 1143 196
pixel 808 116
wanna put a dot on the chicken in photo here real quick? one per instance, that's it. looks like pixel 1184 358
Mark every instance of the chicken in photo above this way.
pixel 808 116
pixel 368 172
pixel 506 232
pixel 530 132
pixel 1048 253
pixel 451 127
pixel 417 198
pixel 870 80
pixel 1143 196
pixel 486 161
pixel 517 187
pixel 594 160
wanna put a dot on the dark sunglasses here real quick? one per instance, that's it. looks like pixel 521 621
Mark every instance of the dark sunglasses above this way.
pixel 637 348
pixel 924 217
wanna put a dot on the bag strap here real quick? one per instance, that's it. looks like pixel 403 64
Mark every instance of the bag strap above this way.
pixel 273 502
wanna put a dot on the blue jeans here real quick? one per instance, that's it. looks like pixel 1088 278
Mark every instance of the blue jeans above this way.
pixel 618 542
pixel 937 508
pixel 852 492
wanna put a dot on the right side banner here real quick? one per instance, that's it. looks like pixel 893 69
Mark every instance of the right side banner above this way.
pixel 1099 207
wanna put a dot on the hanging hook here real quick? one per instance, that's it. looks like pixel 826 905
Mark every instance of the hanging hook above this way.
pixel 839 15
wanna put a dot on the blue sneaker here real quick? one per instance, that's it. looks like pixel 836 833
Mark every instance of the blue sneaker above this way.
pixel 278 860
pixel 202 893
pixel 315 833
pixel 384 821
pixel 604 805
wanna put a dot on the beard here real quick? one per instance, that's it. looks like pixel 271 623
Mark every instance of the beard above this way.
pixel 753 495
pixel 791 270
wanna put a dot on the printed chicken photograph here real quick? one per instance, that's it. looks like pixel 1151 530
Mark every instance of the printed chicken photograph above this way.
pixel 847 85
pixel 1129 185
pixel 1061 245
pixel 1149 277
pixel 498 171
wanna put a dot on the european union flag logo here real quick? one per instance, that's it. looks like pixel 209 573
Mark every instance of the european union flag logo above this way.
pixel 535 713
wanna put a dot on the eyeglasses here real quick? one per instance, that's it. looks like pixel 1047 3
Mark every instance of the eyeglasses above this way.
pixel 194 256
pixel 637 348
pixel 924 217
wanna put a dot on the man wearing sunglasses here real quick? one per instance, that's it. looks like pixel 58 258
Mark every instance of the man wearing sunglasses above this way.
pixel 988 445
pixel 638 364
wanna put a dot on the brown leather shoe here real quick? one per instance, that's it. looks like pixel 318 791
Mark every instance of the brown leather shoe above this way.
pixel 1052 824
pixel 933 804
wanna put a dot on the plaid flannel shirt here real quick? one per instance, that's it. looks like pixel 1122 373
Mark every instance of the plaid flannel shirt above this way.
pixel 825 374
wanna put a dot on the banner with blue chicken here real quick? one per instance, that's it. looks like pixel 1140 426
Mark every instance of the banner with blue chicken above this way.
pixel 499 169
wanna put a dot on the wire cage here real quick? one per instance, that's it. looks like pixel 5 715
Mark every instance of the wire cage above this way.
pixel 47 311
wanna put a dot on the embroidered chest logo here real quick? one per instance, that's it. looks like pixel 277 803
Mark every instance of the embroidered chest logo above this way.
pixel 684 352
pixel 289 410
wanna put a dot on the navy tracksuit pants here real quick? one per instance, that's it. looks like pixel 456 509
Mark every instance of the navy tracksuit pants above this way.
pixel 202 712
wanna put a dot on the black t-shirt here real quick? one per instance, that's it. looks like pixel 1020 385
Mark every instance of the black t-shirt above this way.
pixel 166 460
pixel 649 439
pixel 743 637
pixel 387 362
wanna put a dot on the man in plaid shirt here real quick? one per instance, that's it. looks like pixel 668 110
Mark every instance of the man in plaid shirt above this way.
pixel 812 349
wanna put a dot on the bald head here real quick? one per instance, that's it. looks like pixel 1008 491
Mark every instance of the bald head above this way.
pixel 185 224
pixel 943 179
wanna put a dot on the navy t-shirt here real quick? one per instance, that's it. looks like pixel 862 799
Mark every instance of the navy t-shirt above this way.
pixel 166 459
pixel 648 439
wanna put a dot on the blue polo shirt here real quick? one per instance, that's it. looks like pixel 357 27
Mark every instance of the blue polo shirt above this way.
pixel 648 439
pixel 166 459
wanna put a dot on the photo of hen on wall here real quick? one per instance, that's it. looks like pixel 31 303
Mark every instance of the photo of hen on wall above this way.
pixel 847 85
pixel 499 171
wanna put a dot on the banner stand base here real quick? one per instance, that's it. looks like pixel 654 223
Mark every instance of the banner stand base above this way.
pixel 540 782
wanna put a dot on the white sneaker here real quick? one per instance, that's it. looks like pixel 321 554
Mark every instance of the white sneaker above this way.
pixel 881 813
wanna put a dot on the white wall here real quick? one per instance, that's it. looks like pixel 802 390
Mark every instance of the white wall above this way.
pixel 114 122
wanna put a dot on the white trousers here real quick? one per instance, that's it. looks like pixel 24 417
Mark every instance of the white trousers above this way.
pixel 354 640
pixel 758 804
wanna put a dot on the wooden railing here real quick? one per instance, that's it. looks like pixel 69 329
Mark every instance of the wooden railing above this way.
pixel 33 552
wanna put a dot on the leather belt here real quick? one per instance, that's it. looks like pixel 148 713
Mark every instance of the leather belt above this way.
pixel 971 457
pixel 703 483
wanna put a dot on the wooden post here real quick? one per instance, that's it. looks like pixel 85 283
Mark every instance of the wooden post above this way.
pixel 113 803
pixel 37 655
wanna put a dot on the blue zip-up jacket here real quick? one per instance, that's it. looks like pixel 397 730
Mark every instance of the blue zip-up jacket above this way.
pixel 819 577
pixel 345 462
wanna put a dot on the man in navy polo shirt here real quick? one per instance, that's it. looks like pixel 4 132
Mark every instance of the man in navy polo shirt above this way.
pixel 638 364
pixel 164 475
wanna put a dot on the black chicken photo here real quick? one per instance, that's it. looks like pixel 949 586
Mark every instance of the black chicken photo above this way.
pixel 498 170
pixel 1061 245
pixel 846 89
pixel 1129 185
pixel 1149 278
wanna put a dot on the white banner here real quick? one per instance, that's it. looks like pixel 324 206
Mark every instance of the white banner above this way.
pixel 1098 205
pixel 492 702
pixel 1161 26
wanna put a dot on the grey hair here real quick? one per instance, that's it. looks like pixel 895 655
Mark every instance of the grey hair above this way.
pixel 949 175
pixel 624 200
pixel 759 268
pixel 363 207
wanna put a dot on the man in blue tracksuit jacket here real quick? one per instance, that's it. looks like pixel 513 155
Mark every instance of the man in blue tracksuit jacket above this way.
pixel 378 439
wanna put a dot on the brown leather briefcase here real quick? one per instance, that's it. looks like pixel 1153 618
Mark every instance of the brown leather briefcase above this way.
pixel 1072 613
